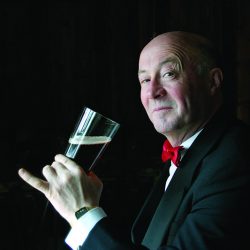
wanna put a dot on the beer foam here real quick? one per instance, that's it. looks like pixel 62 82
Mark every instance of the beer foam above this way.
pixel 89 140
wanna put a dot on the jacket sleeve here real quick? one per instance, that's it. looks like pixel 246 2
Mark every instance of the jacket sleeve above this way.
pixel 104 237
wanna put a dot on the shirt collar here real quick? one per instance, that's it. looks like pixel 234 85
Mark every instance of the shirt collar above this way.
pixel 187 144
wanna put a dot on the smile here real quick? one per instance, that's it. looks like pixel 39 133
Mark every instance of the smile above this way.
pixel 162 109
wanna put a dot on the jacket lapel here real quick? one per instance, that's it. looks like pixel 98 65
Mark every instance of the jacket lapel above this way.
pixel 180 183
pixel 146 213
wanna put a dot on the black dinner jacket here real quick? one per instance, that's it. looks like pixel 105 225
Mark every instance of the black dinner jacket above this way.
pixel 206 205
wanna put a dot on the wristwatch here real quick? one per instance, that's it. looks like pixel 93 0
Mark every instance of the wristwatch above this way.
pixel 79 213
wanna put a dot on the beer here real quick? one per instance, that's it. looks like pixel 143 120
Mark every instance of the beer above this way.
pixel 86 150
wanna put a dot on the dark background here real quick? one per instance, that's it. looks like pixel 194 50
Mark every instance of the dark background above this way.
pixel 57 57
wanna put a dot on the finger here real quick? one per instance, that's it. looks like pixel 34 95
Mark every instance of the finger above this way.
pixel 49 173
pixel 37 183
pixel 59 168
pixel 68 163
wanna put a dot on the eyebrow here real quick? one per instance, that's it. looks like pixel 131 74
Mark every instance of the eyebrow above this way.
pixel 168 60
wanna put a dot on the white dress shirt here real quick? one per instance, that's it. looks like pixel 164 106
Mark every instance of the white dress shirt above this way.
pixel 186 145
pixel 80 231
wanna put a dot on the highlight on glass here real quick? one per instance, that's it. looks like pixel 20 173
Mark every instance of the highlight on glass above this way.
pixel 92 134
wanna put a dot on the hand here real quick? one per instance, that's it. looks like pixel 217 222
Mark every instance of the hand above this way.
pixel 67 186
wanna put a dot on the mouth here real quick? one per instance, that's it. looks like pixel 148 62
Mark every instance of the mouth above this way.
pixel 162 109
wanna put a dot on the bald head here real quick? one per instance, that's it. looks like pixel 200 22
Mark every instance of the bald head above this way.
pixel 189 47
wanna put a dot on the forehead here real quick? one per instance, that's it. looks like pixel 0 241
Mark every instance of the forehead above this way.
pixel 161 50
pixel 155 57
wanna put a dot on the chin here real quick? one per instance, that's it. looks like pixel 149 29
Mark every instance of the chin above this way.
pixel 162 128
pixel 166 126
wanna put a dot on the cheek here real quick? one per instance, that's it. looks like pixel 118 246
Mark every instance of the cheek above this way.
pixel 182 96
pixel 143 98
pixel 178 96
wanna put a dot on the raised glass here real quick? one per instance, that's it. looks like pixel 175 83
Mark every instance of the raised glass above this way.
pixel 91 135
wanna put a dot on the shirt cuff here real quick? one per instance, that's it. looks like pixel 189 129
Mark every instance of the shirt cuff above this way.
pixel 84 225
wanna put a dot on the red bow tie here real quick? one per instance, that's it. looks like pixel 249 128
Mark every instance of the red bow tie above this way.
pixel 171 153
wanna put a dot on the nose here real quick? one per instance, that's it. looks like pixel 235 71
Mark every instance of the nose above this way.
pixel 156 90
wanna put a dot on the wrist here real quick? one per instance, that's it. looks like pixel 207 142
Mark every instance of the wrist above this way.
pixel 79 213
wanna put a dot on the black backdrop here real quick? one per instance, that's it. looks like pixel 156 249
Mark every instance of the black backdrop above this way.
pixel 58 57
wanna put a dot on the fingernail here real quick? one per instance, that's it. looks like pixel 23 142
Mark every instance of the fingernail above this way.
pixel 21 171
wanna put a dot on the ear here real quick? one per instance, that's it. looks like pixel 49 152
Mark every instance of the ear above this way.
pixel 216 78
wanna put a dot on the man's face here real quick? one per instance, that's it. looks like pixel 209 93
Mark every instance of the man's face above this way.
pixel 172 93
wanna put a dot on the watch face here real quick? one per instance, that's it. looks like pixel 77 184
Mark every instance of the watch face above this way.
pixel 82 211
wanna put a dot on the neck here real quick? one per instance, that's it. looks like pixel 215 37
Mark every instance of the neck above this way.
pixel 177 137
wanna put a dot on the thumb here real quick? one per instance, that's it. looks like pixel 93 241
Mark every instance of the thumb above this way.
pixel 35 182
pixel 94 177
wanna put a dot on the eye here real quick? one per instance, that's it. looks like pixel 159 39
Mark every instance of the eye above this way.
pixel 169 75
pixel 143 81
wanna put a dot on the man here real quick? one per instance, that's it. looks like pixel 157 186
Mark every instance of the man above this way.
pixel 202 200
